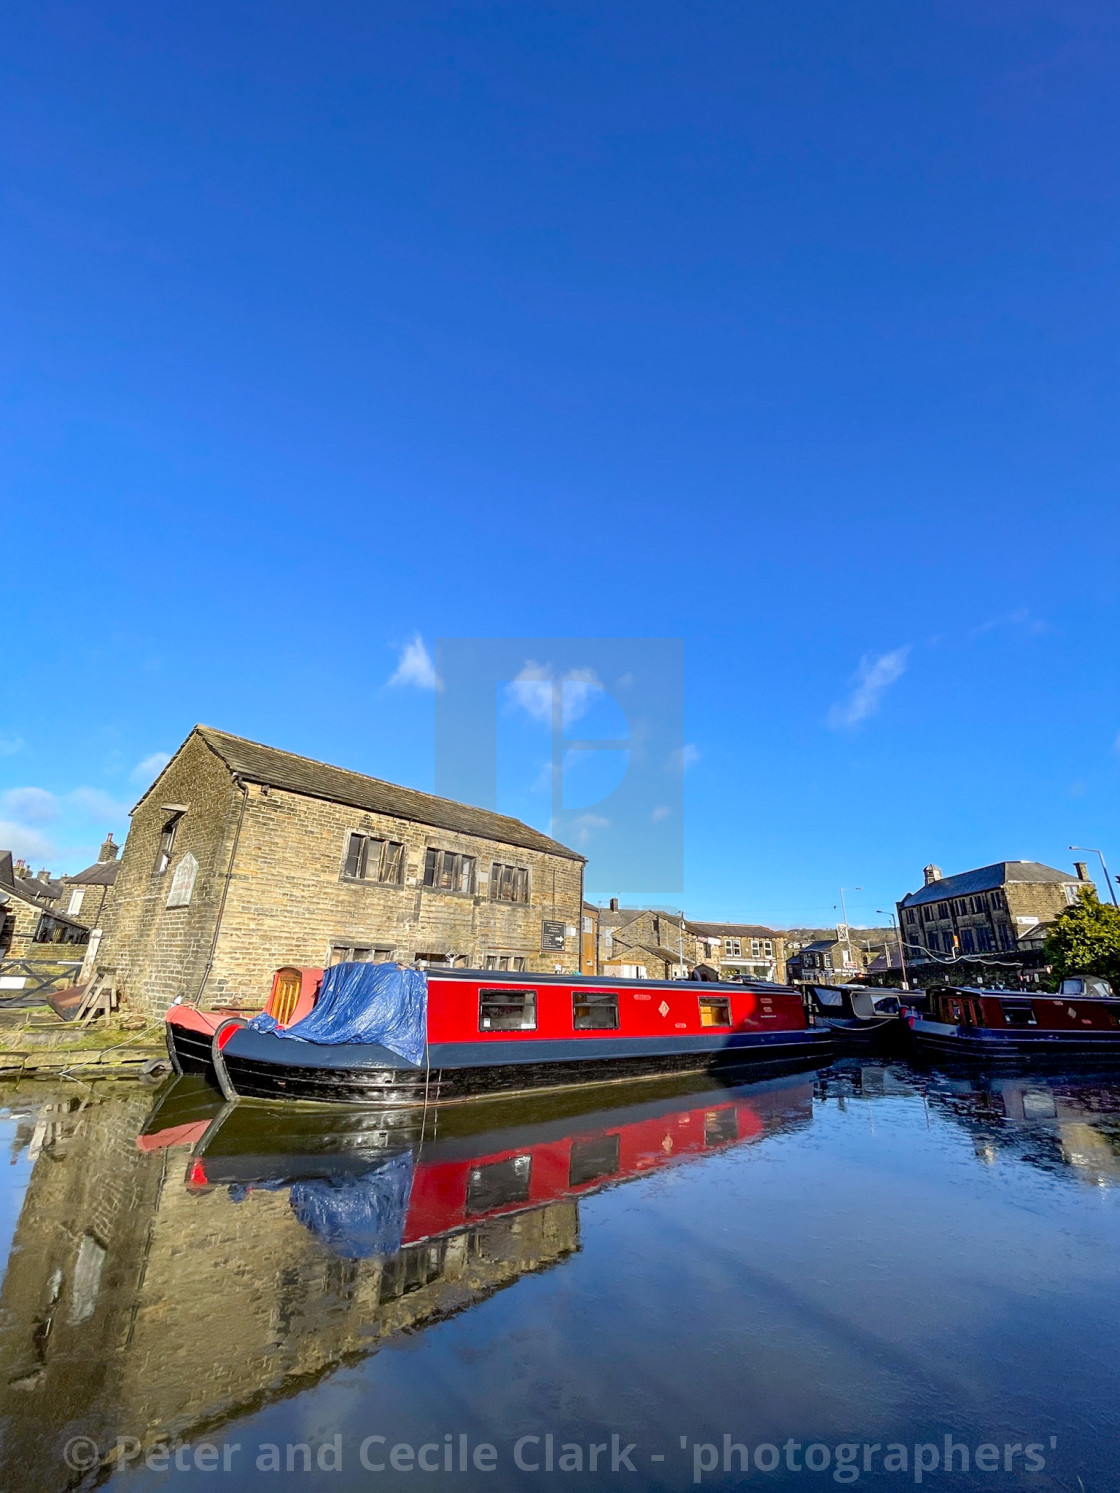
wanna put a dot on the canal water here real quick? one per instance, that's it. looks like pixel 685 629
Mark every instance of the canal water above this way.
pixel 846 1276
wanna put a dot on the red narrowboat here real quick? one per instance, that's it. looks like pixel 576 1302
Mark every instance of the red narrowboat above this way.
pixel 384 1034
pixel 1082 1018
pixel 189 1033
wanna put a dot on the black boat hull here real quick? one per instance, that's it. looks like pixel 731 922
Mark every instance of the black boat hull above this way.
pixel 257 1066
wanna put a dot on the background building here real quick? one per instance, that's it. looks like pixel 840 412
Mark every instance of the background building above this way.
pixel 990 911
pixel 241 858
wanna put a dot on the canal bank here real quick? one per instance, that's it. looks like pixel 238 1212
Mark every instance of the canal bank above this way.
pixel 34 1042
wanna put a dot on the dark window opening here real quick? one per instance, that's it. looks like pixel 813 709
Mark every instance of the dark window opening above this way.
pixel 595 1010
pixel 507 1010
pixel 593 1158
pixel 53 930
pixel 508 883
pixel 448 871
pixel 371 859
pixel 166 843
pixel 410 1270
pixel 345 953
pixel 715 1010
pixel 499 1184
pixel 1018 1013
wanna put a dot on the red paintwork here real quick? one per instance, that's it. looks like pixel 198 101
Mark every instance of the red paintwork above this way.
pixel 174 1135
pixel 208 1022
pixel 438 1201
pixel 453 1009
pixel 310 981
pixel 1053 1013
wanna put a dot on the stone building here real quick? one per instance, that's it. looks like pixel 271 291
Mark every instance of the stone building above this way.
pixel 241 858
pixel 743 950
pixel 40 947
pixel 84 895
pixel 983 912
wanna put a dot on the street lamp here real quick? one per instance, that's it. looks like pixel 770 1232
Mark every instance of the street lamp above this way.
pixel 901 953
pixel 1088 850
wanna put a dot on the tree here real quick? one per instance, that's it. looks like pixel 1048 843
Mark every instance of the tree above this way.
pixel 1085 940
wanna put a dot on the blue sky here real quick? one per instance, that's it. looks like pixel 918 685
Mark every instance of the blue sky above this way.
pixel 790 332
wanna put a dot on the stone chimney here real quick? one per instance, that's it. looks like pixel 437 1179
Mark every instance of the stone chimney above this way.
pixel 1082 870
pixel 109 850
pixel 614 904
pixel 42 874
pixel 21 868
pixel 932 873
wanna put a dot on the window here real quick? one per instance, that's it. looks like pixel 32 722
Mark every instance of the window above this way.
pixel 499 1184
pixel 590 1159
pixel 1071 893
pixel 733 948
pixel 968 943
pixel 511 884
pixel 448 871
pixel 715 1010
pixel 371 859
pixel 595 1010
pixel 166 843
pixel 721 1126
pixel 756 947
pixel 344 953
pixel 507 1010
pixel 52 930
pixel 587 925
pixel 934 941
pixel 984 940
pixel 768 947
pixel 74 906
pixel 1018 1013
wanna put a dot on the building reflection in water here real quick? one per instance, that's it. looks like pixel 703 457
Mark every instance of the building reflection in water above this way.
pixel 176 1268
pixel 1063 1124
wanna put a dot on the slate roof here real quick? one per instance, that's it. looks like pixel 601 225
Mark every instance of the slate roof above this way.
pixel 987 879
pixel 101 873
pixel 731 930
pixel 821 946
pixel 256 763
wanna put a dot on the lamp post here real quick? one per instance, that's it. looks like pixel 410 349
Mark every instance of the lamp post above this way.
pixel 901 953
pixel 1088 850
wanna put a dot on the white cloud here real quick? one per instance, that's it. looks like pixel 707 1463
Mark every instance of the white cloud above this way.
pixel 96 804
pixel 583 826
pixel 531 691
pixel 10 745
pixel 147 771
pixel 25 842
pixel 660 813
pixel 683 758
pixel 872 679
pixel 415 666
pixel 1018 619
pixel 30 805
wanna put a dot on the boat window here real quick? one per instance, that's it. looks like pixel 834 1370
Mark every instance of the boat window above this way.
pixel 1018 1013
pixel 595 1010
pixel 498 1184
pixel 593 1158
pixel 721 1126
pixel 507 1010
pixel 715 1010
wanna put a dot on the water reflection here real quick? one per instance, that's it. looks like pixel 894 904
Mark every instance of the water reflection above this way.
pixel 1068 1125
pixel 178 1266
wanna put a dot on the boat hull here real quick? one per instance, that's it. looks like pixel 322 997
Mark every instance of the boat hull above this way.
pixel 980 1042
pixel 189 1035
pixel 257 1065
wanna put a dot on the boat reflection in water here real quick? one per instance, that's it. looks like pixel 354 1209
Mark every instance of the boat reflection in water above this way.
pixel 209 1260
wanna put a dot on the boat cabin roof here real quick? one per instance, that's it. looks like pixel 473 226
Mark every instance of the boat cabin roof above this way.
pixel 530 977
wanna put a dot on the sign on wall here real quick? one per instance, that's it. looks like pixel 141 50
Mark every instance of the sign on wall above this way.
pixel 182 883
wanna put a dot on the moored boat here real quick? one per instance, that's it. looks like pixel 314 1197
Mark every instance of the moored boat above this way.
pixel 387 1035
pixel 189 1032
pixel 858 1015
pixel 1082 1017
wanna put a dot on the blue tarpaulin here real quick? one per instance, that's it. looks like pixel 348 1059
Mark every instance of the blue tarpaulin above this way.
pixel 365 1003
pixel 358 1217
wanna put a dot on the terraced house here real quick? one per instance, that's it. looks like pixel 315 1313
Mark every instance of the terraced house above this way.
pixel 242 858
